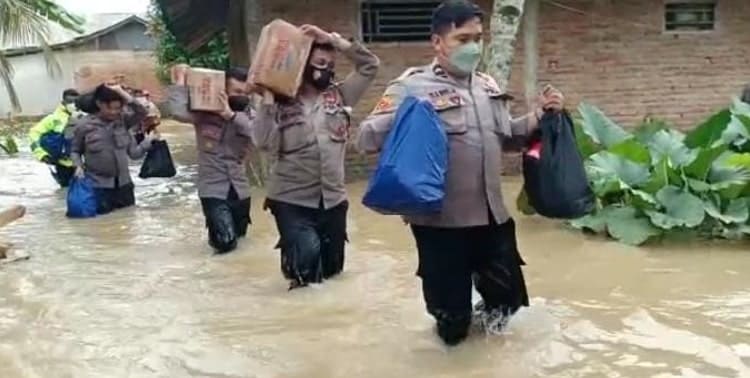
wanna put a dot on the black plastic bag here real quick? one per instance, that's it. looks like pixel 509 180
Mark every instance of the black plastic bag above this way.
pixel 554 176
pixel 158 162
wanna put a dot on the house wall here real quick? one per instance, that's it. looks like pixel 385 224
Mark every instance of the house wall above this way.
pixel 128 37
pixel 125 51
pixel 610 53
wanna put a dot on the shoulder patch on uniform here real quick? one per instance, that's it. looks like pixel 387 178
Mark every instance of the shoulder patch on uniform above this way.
pixel 386 104
pixel 489 84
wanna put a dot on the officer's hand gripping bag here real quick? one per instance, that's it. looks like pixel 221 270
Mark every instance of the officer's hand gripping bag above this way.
pixel 158 161
pixel 554 176
pixel 55 145
pixel 81 198
pixel 410 176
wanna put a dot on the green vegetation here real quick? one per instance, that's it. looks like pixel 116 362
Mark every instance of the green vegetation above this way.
pixel 656 182
pixel 215 54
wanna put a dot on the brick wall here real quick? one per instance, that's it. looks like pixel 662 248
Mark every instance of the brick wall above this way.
pixel 614 55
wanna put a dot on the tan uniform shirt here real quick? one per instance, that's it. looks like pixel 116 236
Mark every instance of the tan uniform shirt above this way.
pixel 475 117
pixel 308 141
pixel 222 147
pixel 103 147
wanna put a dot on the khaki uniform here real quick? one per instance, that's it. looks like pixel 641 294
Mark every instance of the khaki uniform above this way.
pixel 308 141
pixel 103 147
pixel 476 118
pixel 222 147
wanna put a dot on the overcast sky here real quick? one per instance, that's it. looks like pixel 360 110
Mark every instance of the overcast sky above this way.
pixel 105 6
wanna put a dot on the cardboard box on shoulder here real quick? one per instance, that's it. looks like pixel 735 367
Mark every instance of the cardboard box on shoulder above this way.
pixel 204 87
pixel 280 58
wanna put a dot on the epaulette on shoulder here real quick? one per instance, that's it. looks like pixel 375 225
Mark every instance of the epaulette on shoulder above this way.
pixel 490 84
pixel 411 71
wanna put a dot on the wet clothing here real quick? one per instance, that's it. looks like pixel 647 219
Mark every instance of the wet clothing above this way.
pixel 111 199
pixel 306 188
pixel 308 141
pixel 465 239
pixel 103 148
pixel 51 128
pixel 226 220
pixel 223 185
pixel 475 116
pixel 62 174
pixel 222 146
pixel 451 259
pixel 312 241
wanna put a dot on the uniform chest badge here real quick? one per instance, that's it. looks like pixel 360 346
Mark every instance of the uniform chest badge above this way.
pixel 445 98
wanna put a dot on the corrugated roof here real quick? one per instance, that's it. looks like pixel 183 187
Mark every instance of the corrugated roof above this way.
pixel 94 24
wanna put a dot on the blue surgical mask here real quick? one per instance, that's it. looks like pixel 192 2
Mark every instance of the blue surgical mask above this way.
pixel 466 57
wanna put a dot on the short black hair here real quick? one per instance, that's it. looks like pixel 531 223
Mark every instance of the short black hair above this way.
pixel 454 13
pixel 70 93
pixel 106 95
pixel 86 103
pixel 237 73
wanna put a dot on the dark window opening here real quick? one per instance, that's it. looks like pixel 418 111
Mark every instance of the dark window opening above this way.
pixel 690 16
pixel 397 21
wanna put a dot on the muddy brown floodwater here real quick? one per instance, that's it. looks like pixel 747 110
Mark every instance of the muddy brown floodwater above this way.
pixel 138 294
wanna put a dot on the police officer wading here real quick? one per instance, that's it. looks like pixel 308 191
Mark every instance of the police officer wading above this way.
pixel 48 142
pixel 102 144
pixel 307 138
pixel 473 239
pixel 223 139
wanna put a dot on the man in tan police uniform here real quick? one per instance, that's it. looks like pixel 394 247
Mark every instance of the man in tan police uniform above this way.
pixel 473 238
pixel 307 138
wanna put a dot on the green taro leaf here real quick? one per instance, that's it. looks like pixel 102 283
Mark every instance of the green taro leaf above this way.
pixel 596 223
pixel 709 131
pixel 681 209
pixel 735 213
pixel 736 133
pixel 624 225
pixel 668 144
pixel 646 130
pixel 701 165
pixel 632 150
pixel 586 145
pixel 600 128
pixel 609 167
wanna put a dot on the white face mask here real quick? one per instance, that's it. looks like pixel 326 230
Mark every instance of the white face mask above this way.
pixel 71 108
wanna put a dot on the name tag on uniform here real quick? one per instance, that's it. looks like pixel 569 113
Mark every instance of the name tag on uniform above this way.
pixel 445 98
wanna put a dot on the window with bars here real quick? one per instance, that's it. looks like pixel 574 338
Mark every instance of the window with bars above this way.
pixel 397 21
pixel 690 16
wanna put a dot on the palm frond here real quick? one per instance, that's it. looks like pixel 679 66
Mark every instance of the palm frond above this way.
pixel 6 77
pixel 25 23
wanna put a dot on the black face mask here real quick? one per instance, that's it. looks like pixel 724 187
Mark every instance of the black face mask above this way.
pixel 238 103
pixel 324 79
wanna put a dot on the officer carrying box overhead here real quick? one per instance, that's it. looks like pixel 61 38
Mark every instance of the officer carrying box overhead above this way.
pixel 472 240
pixel 307 138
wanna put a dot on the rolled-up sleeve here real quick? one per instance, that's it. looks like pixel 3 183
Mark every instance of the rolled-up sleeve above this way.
pixel 178 104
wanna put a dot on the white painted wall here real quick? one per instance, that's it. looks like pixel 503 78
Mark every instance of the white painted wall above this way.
pixel 38 92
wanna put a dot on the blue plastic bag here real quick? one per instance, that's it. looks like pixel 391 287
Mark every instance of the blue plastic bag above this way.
pixel 81 198
pixel 55 145
pixel 410 176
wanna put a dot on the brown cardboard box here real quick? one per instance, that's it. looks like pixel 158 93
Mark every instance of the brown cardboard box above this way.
pixel 280 58
pixel 204 88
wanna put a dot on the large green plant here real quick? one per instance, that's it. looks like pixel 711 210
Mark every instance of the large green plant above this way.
pixel 657 181
pixel 215 54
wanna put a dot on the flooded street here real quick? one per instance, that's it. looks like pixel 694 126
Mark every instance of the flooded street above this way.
pixel 139 294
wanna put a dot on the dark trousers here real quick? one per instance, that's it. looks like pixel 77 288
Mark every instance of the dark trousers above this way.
pixel 452 259
pixel 110 199
pixel 226 220
pixel 62 174
pixel 312 241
